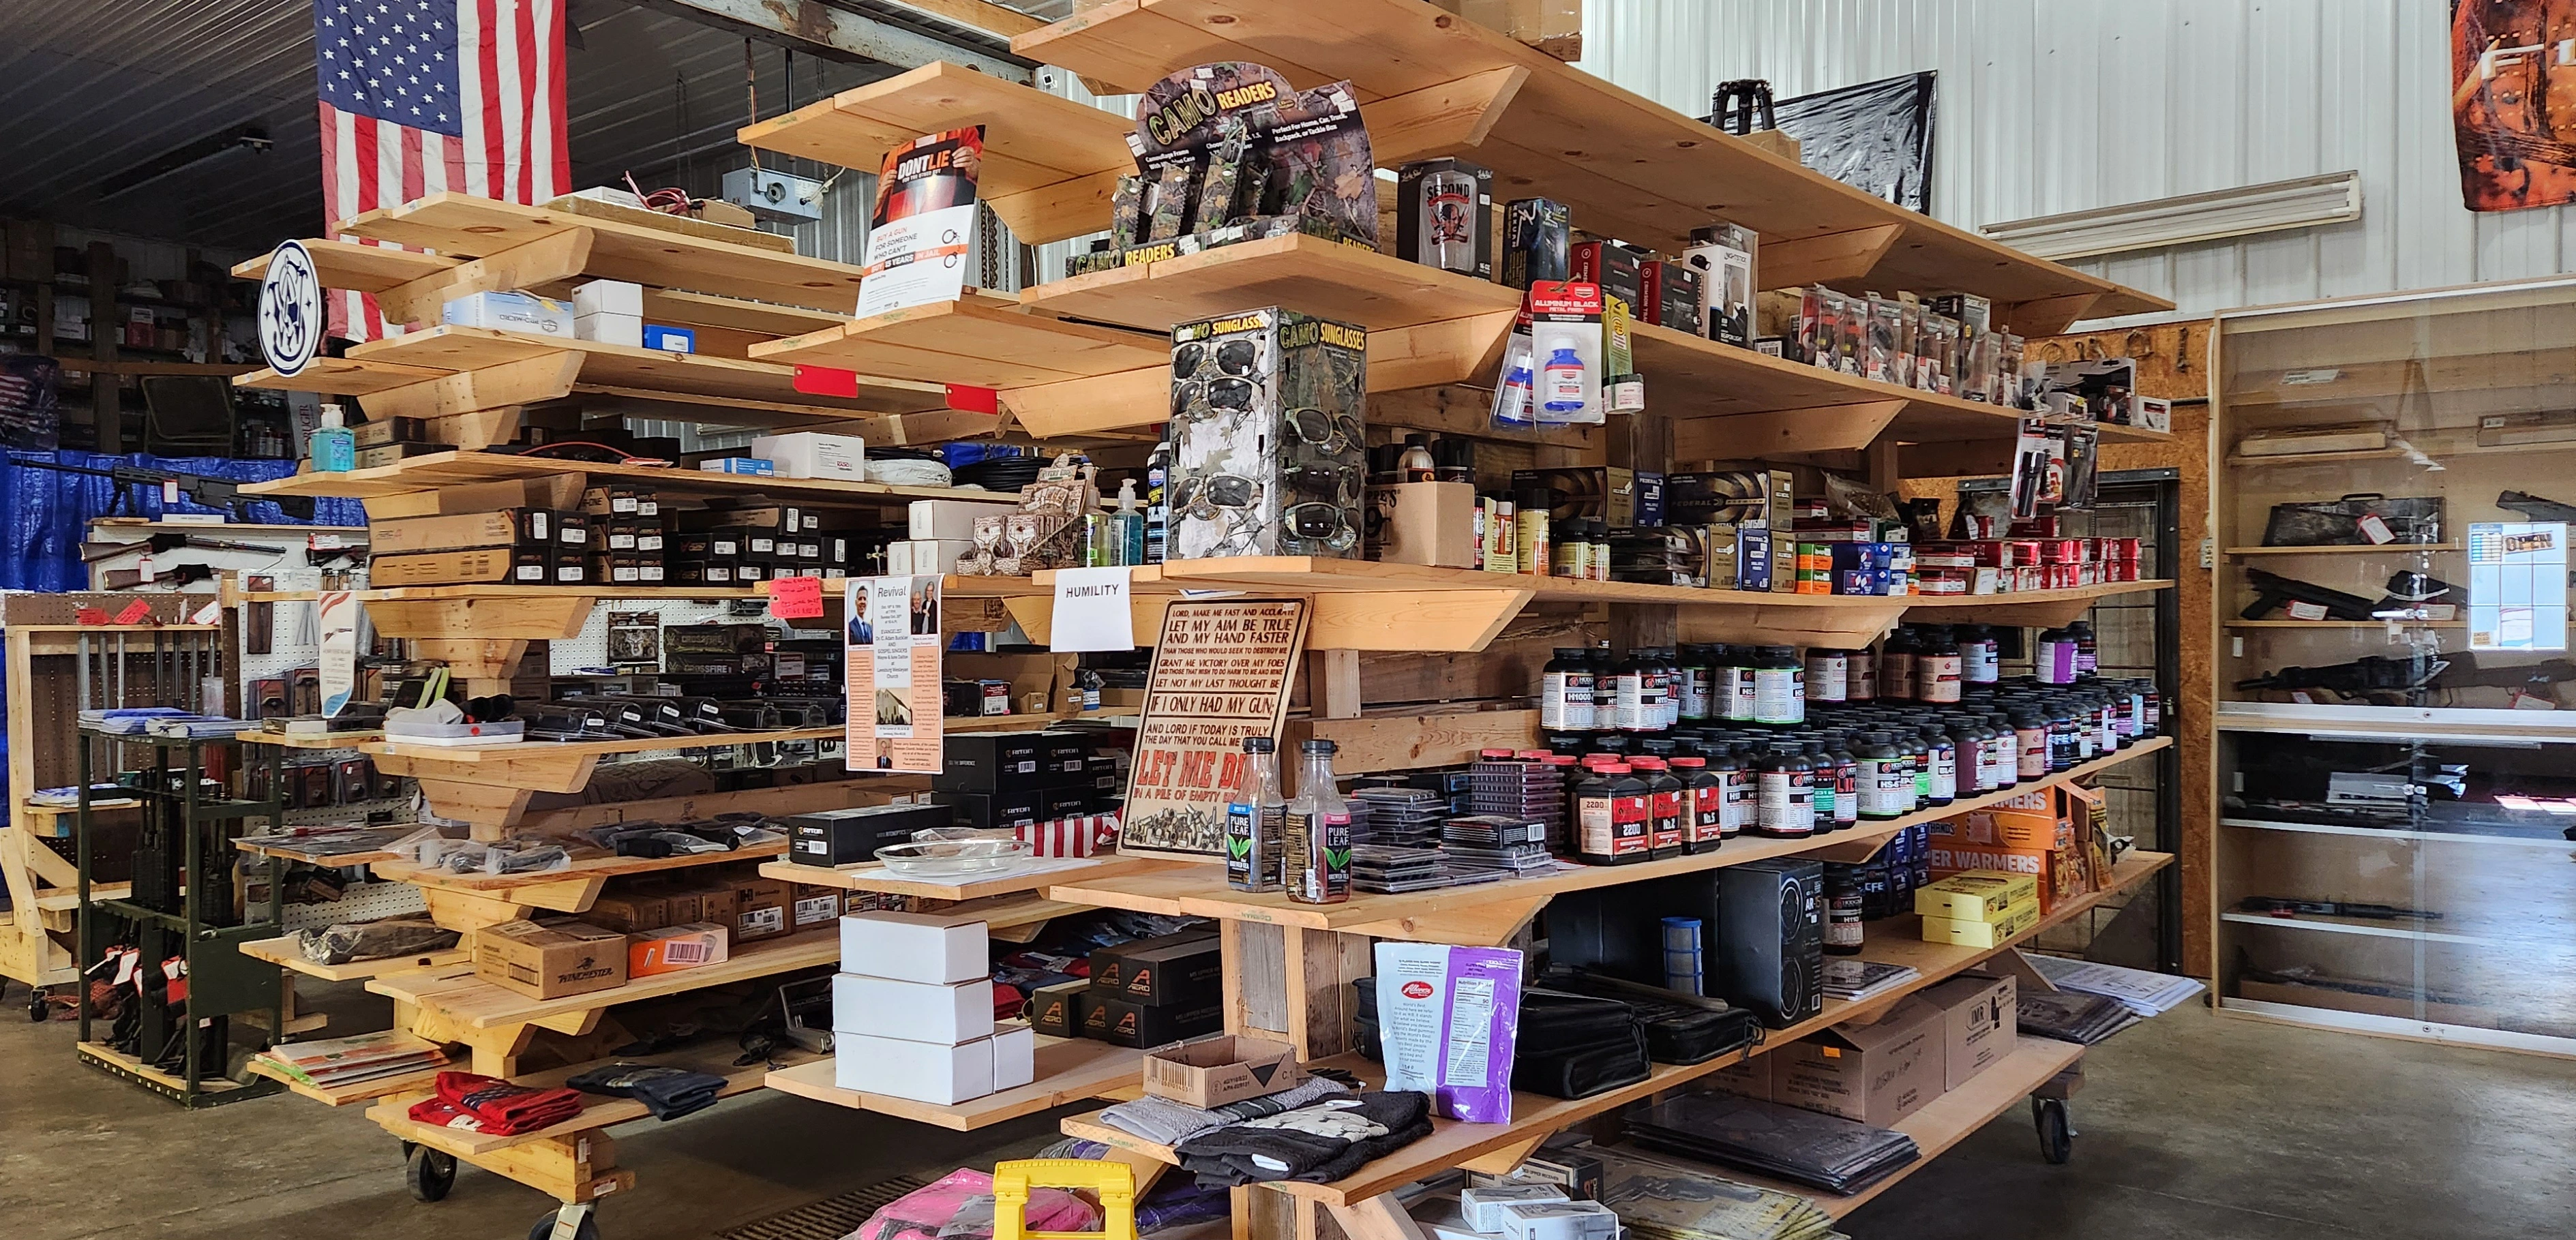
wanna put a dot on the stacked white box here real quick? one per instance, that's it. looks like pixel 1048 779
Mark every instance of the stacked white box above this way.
pixel 808 454
pixel 912 1008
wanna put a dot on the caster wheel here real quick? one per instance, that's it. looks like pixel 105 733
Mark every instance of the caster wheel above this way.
pixel 2056 1134
pixel 430 1173
pixel 546 1227
pixel 37 1008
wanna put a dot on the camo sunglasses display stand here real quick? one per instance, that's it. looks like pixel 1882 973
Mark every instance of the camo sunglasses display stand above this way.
pixel 1269 455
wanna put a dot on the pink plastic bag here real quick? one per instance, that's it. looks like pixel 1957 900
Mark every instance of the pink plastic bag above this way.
pixel 960 1207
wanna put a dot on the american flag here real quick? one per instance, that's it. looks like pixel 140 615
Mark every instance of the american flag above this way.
pixel 420 96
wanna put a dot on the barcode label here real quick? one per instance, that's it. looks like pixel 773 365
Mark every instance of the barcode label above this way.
pixel 763 920
pixel 685 951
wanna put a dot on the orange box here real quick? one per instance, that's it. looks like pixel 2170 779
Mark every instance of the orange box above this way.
pixel 2027 834
pixel 676 948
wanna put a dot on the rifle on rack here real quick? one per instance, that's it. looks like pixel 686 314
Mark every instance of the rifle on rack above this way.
pixel 2382 681
pixel 2536 508
pixel 2273 591
pixel 212 492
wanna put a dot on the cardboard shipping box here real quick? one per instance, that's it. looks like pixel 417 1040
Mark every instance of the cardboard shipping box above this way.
pixel 1121 1023
pixel 2015 922
pixel 673 948
pixel 1979 1020
pixel 550 960
pixel 1109 965
pixel 1874 1073
pixel 1056 1011
pixel 1162 974
pixel 1214 1071
pixel 2026 834
pixel 1750 1078
pixel 1975 895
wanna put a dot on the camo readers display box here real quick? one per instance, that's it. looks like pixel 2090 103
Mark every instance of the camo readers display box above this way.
pixel 1269 455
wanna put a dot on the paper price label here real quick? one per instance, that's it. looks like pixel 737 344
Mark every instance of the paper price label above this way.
pixel 796 598
pixel 2307 611
pixel 2375 529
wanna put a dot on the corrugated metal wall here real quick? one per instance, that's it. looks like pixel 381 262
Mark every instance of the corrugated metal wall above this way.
pixel 2061 105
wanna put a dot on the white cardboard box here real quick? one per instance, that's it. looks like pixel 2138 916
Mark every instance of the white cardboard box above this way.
pixel 609 297
pixel 806 454
pixel 926 556
pixel 511 312
pixel 913 1011
pixel 915 947
pixel 921 1071
pixel 1015 1052
pixel 953 520
pixel 606 328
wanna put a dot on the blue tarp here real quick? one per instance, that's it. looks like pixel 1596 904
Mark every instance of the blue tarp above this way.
pixel 49 510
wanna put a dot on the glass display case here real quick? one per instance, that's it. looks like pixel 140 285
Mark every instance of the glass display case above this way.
pixel 2396 792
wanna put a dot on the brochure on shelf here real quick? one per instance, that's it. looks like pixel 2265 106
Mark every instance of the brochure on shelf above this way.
pixel 923 225
pixel 892 656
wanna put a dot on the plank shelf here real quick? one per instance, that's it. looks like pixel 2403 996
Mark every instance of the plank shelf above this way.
pixel 392 1112
pixel 1627 166
pixel 284 953
pixel 1200 890
pixel 471 1002
pixel 1375 605
pixel 975 339
pixel 1068 1070
pixel 1533 1115
pixel 436 470
pixel 1027 878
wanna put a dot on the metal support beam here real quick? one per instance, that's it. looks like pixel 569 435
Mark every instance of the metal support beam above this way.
pixel 837 34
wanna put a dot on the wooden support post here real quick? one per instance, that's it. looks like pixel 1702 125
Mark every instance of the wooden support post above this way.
pixel 1507 1159
pixel 1833 258
pixel 549 259
pixel 1319 975
pixel 2048 316
pixel 1333 683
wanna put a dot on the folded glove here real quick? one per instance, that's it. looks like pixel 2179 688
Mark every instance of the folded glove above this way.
pixel 667 1092
pixel 1319 1143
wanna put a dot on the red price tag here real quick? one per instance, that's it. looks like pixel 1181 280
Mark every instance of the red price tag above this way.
pixel 90 615
pixel 134 612
pixel 796 598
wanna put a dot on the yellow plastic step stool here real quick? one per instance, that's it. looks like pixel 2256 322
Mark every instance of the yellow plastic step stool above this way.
pixel 1113 1182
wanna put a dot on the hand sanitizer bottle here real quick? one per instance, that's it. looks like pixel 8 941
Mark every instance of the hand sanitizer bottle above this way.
pixel 333 447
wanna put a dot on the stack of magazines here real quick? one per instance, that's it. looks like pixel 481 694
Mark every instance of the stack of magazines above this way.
pixel 337 1063
pixel 1663 1199
pixel 2145 993
pixel 2072 1016
pixel 1803 1147
pixel 1852 980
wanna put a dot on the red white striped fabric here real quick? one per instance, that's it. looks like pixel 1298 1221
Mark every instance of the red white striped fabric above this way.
pixel 422 96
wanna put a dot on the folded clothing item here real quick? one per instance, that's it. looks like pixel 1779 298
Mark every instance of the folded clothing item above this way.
pixel 1825 1151
pixel 1568 1046
pixel 960 1207
pixel 667 1092
pixel 1319 1143
pixel 489 1104
pixel 2072 1016
pixel 1166 1122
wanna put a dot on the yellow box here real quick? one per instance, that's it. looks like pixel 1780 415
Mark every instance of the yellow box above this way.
pixel 1960 932
pixel 1976 895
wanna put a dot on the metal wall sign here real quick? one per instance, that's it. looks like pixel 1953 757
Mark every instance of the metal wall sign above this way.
pixel 291 317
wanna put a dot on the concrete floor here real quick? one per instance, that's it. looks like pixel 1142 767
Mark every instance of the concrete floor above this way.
pixel 2191 1127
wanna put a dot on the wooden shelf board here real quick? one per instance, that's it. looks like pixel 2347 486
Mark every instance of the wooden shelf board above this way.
pixel 1690 377
pixel 1068 1070
pixel 449 348
pixel 2344 624
pixel 977 340
pixel 1947 1120
pixel 476 754
pixel 415 1083
pixel 360 268
pixel 466 226
pixel 393 1111
pixel 2318 458
pixel 874 878
pixel 1311 275
pixel 1452 1143
pixel 71 811
pixel 65 899
pixel 284 953
pixel 1201 891
pixel 2551 843
pixel 594 868
pixel 479 1004
pixel 1627 166
pixel 445 469
pixel 1050 163
pixel 2367 927
pixel 337 740
pixel 2363 549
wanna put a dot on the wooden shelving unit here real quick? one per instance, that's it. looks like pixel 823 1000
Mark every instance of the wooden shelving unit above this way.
pixel 1488 1147
pixel 1087 357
